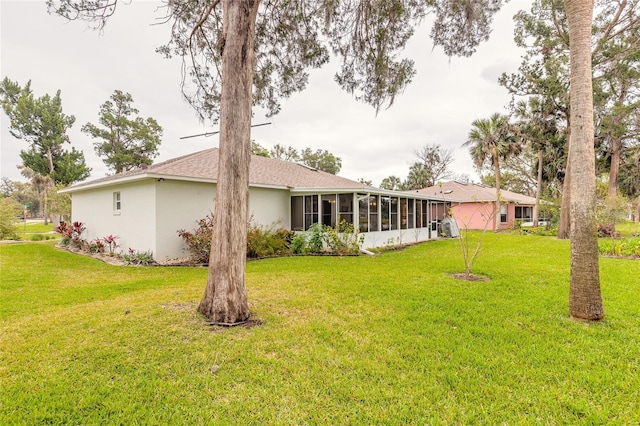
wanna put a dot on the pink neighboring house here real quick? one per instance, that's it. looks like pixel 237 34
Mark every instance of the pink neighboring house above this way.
pixel 471 203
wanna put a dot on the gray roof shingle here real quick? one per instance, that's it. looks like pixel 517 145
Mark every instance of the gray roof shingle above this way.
pixel 473 192
pixel 203 165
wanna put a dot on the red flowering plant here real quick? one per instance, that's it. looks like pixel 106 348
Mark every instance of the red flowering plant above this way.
pixel 112 242
pixel 71 233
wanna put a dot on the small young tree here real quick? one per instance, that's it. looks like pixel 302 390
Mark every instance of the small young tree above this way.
pixel 469 250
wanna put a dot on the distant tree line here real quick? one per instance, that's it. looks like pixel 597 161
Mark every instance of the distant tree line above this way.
pixel 320 159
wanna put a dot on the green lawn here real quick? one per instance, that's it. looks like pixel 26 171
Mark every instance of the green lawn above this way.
pixel 390 339
pixel 628 228
pixel 35 231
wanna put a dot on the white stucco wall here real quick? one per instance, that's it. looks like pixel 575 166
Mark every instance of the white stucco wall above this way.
pixel 179 205
pixel 397 237
pixel 270 206
pixel 154 210
pixel 134 224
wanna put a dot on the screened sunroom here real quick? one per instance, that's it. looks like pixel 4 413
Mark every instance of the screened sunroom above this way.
pixel 385 217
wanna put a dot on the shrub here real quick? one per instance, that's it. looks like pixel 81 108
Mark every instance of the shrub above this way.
pixel 551 212
pixel 277 241
pixel 263 242
pixel 316 237
pixel 343 239
pixel 42 237
pixel 141 258
pixel 9 210
pixel 299 244
pixel 543 231
pixel 199 241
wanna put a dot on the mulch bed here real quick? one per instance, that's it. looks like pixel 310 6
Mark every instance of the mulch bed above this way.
pixel 470 277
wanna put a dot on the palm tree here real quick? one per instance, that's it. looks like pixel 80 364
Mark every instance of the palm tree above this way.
pixel 585 299
pixel 491 140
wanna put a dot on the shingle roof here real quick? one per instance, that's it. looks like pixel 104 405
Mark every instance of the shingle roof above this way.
pixel 473 192
pixel 203 165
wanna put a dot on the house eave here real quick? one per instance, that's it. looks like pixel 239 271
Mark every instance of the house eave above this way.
pixel 131 179
pixel 363 190
pixel 156 176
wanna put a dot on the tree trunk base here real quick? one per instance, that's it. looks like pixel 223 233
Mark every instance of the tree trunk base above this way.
pixel 595 317
pixel 226 315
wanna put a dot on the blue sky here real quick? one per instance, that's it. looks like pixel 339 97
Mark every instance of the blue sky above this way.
pixel 439 105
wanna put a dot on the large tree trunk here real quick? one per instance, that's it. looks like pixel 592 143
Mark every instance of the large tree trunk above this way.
pixel 538 187
pixel 564 224
pixel 614 171
pixel 225 297
pixel 585 300
pixel 616 144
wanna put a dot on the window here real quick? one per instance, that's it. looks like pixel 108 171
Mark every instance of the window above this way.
pixel 329 210
pixel 425 213
pixel 524 213
pixel 403 213
pixel 437 213
pixel 345 207
pixel 373 213
pixel 304 212
pixel 503 213
pixel 117 203
pixel 310 210
pixel 363 209
pixel 394 213
pixel 411 214
pixel 297 213
pixel 384 213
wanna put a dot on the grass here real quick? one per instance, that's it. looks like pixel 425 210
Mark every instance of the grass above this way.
pixel 389 339
pixel 35 231
pixel 627 229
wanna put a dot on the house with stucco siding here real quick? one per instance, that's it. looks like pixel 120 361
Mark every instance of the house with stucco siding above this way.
pixel 472 203
pixel 146 207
